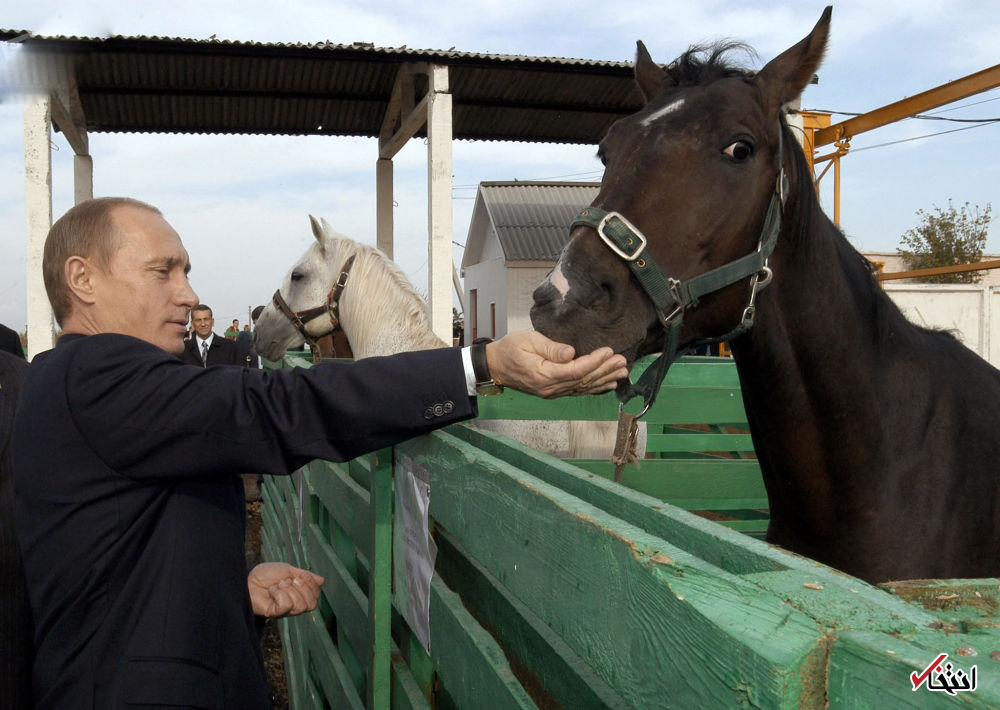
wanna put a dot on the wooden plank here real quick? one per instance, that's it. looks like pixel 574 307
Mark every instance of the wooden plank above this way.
pixel 328 668
pixel 698 442
pixel 472 668
pixel 380 585
pixel 687 478
pixel 549 669
pixel 347 502
pixel 347 600
pixel 872 670
pixel 406 694
pixel 659 623
pixel 726 549
pixel 675 405
pixel 964 603
pixel 291 655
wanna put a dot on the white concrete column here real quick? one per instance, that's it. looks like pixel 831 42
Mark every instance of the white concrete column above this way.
pixel 38 210
pixel 383 205
pixel 439 188
pixel 83 178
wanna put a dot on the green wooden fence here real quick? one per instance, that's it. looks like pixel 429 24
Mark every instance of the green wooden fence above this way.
pixel 556 587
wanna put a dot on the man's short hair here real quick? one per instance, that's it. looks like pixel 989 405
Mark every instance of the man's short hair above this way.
pixel 202 307
pixel 255 314
pixel 87 230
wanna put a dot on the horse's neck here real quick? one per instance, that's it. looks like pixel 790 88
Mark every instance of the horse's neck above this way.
pixel 378 315
pixel 810 373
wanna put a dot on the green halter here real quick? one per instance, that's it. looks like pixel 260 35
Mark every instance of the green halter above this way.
pixel 672 297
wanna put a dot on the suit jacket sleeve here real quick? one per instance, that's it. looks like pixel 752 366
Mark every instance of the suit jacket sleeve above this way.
pixel 149 415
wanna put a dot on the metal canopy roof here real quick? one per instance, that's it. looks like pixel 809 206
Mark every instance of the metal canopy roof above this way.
pixel 532 219
pixel 172 85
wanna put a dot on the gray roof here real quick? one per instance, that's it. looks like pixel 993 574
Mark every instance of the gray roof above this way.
pixel 173 85
pixel 532 219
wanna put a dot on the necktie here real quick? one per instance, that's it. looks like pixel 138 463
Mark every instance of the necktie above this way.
pixel 204 354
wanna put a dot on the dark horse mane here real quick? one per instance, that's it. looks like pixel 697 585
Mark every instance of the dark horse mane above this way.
pixel 892 329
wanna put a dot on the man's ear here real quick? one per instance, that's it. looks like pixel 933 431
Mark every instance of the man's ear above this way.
pixel 79 274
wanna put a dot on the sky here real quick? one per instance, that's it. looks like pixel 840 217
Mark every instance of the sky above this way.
pixel 241 203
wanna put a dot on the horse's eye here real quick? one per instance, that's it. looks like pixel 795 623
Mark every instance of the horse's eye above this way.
pixel 297 276
pixel 739 151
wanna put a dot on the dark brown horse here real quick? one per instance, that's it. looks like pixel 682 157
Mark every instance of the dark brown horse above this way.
pixel 877 438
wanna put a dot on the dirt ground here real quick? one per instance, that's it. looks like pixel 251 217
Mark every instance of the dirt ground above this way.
pixel 271 641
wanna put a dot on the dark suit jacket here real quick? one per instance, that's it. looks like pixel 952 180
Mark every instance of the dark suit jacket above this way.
pixel 130 511
pixel 220 352
pixel 244 343
pixel 15 614
pixel 10 341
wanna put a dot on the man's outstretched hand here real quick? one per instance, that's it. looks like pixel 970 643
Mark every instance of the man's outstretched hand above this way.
pixel 528 361
pixel 278 589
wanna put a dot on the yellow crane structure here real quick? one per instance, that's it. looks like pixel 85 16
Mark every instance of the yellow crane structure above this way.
pixel 819 132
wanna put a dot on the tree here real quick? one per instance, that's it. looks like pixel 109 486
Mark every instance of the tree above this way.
pixel 947 237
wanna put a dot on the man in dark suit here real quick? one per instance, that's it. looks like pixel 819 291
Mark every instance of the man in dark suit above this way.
pixel 10 341
pixel 129 509
pixel 205 348
pixel 15 614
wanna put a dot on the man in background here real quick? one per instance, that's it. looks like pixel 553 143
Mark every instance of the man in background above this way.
pixel 206 348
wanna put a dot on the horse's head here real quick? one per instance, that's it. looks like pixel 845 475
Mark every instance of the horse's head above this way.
pixel 694 172
pixel 305 305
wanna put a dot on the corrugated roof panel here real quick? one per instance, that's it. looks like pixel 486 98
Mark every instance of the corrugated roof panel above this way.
pixel 153 84
pixel 532 218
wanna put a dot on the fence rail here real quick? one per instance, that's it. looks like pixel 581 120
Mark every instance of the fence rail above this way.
pixel 555 587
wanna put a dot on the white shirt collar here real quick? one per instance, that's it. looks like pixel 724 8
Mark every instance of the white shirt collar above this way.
pixel 206 341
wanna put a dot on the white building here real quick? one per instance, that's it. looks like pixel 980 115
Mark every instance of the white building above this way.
pixel 516 234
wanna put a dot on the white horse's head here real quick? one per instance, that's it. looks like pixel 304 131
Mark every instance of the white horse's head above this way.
pixel 306 288
pixel 378 309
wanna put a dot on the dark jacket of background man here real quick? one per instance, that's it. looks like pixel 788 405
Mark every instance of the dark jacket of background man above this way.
pixel 15 612
pixel 10 341
pixel 221 352
pixel 142 507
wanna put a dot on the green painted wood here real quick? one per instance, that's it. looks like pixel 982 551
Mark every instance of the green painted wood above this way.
pixel 291 655
pixel 551 671
pixel 348 602
pixel 656 618
pixel 720 547
pixel 688 478
pixel 345 500
pixel 668 443
pixel 872 670
pixel 380 576
pixel 327 665
pixel 470 664
pixel 406 693
pixel 966 604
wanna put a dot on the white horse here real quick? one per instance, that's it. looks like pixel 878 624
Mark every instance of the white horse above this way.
pixel 341 283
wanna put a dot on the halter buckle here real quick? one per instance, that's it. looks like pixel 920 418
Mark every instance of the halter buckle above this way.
pixel 610 242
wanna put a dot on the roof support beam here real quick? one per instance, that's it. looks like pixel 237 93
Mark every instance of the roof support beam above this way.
pixel 38 212
pixel 404 117
pixel 439 217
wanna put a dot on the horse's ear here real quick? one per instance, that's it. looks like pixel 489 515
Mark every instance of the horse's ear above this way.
pixel 317 229
pixel 648 74
pixel 785 76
